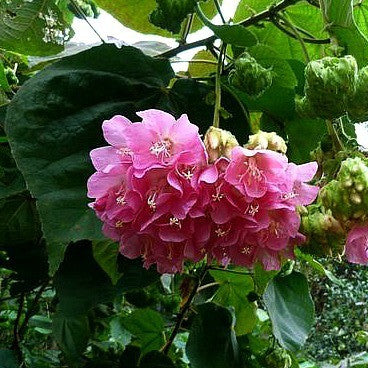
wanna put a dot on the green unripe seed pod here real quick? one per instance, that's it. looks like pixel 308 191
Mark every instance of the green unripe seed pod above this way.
pixel 347 196
pixel 249 76
pixel 358 104
pixel 325 235
pixel 330 85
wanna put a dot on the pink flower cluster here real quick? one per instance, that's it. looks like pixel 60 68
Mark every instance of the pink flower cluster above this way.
pixel 159 197
pixel 356 248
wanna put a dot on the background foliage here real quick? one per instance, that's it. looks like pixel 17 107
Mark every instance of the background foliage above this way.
pixel 67 297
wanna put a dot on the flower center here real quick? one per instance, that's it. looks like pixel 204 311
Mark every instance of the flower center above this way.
pixel 221 233
pixel 161 148
pixel 252 209
pixel 252 170
pixel 119 224
pixel 174 221
pixel 245 250
pixel 188 174
pixel 151 201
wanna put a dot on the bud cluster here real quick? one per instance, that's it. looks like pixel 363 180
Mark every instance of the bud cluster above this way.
pixel 250 76
pixel 329 87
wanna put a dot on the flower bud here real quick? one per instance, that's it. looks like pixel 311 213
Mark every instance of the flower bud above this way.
pixel 330 85
pixel 219 142
pixel 325 235
pixel 347 196
pixel 249 76
pixel 266 140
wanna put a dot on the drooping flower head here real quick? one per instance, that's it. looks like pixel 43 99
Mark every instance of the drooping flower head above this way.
pixel 160 197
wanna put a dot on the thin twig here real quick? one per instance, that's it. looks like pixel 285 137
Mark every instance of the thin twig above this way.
pixel 16 338
pixel 31 310
pixel 195 61
pixel 216 114
pixel 81 13
pixel 288 22
pixel 183 312
pixel 254 19
pixel 204 287
pixel 218 7
pixel 230 271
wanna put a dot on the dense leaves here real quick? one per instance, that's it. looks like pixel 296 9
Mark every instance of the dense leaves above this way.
pixel 32 27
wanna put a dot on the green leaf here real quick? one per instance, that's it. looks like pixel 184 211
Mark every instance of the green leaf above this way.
pixel 8 359
pixel 262 277
pixel 303 137
pixel 137 17
pixel 236 35
pixel 198 69
pixel 21 239
pixel 269 58
pixel 80 283
pixel 11 180
pixel 106 255
pixel 340 23
pixel 72 334
pixel 290 308
pixel 32 27
pixel 317 266
pixel 118 333
pixel 148 327
pixel 233 292
pixel 3 80
pixel 212 342
pixel 155 359
pixel 55 120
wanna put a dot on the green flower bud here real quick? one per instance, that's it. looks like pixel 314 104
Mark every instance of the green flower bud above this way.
pixel 249 76
pixel 325 235
pixel 330 85
pixel 347 196
pixel 358 104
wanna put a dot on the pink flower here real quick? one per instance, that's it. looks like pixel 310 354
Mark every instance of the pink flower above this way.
pixel 254 173
pixel 356 249
pixel 161 141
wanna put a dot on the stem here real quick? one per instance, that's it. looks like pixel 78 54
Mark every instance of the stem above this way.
pixel 195 61
pixel 16 338
pixel 186 29
pixel 242 106
pixel 183 311
pixel 336 142
pixel 254 19
pixel 218 7
pixel 31 311
pixel 204 287
pixel 216 114
pixel 230 271
pixel 297 35
pixel 81 13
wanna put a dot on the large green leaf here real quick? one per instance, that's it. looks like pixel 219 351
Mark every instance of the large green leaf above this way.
pixel 11 180
pixel 233 292
pixel 8 359
pixel 137 17
pixel 106 254
pixel 32 27
pixel 80 283
pixel 55 120
pixel 21 239
pixel 290 308
pixel 71 334
pixel 147 326
pixel 212 342
pixel 340 23
pixel 303 137
pixel 301 14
